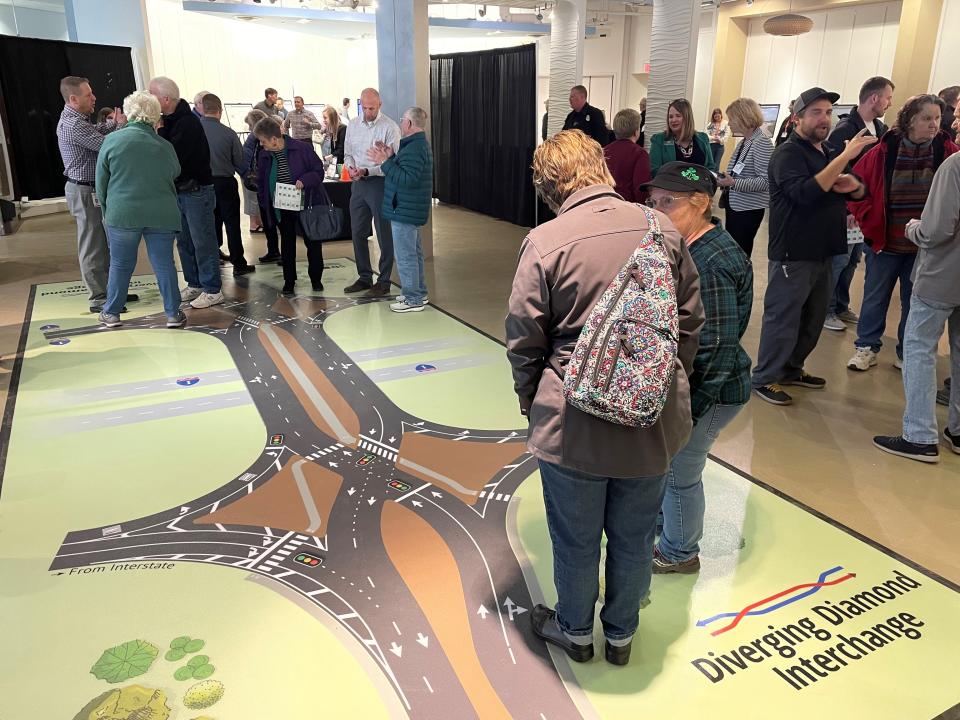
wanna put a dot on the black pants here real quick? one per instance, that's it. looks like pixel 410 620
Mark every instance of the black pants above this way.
pixel 288 248
pixel 227 213
pixel 743 227
pixel 270 230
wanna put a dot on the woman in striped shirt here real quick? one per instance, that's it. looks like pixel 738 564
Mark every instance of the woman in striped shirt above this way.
pixel 746 179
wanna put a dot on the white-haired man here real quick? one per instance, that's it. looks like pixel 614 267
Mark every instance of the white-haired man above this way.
pixel 80 142
pixel 197 244
pixel 366 198
pixel 198 103
pixel 407 199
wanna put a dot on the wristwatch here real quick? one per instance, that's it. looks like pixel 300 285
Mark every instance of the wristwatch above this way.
pixel 366 172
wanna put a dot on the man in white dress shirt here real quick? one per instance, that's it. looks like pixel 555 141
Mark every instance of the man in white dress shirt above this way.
pixel 366 198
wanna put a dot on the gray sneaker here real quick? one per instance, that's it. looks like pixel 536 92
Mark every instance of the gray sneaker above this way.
pixel 832 322
pixel 848 316
pixel 111 321
pixel 177 321
pixel 189 293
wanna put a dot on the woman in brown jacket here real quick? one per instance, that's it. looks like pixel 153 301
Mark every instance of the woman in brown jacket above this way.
pixel 598 477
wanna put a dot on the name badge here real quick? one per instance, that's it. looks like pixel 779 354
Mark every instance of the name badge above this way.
pixel 96 200
pixel 738 168
pixel 669 143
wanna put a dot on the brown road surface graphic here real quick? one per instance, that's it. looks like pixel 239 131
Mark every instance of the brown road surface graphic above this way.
pixel 300 308
pixel 326 407
pixel 460 466
pixel 299 497
pixel 216 317
pixel 430 572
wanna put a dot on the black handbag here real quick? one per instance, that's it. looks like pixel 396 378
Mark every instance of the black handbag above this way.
pixel 250 177
pixel 321 221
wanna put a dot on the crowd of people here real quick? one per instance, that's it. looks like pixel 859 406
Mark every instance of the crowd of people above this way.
pixel 627 373
pixel 168 172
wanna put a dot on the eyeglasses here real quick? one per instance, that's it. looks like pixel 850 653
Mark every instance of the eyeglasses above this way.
pixel 664 203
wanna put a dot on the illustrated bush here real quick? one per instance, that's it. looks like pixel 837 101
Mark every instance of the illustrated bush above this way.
pixel 125 661
pixel 203 694
pixel 181 647
pixel 199 668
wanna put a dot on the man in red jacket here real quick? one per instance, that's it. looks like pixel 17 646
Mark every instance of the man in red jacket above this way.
pixel 898 173
pixel 629 163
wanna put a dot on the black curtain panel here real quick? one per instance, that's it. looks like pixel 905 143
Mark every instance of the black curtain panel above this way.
pixel 484 130
pixel 30 74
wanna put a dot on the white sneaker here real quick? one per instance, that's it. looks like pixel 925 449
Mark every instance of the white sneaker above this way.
pixel 205 300
pixel 834 323
pixel 402 307
pixel 402 298
pixel 189 293
pixel 864 359
pixel 898 363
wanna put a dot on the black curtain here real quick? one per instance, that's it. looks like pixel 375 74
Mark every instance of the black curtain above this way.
pixel 30 74
pixel 484 130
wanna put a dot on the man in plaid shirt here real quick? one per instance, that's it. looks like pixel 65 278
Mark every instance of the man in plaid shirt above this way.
pixel 80 142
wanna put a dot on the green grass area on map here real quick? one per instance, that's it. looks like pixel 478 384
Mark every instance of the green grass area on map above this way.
pixel 474 397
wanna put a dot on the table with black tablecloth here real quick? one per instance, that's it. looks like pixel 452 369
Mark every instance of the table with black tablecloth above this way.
pixel 339 193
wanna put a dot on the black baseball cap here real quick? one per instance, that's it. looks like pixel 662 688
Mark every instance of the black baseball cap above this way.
pixel 684 177
pixel 812 95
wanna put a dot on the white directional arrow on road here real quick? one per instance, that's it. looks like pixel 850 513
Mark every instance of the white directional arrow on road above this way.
pixel 184 508
pixel 332 464
pixel 267 541
pixel 252 552
pixel 393 438
pixel 483 612
pixel 512 608
pixel 371 501
pixel 257 379
pixel 436 494
pixel 351 491
pixel 423 639
pixel 396 649
pixel 416 503
pixel 272 454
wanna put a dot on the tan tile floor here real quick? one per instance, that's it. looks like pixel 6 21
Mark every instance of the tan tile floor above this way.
pixel 817 451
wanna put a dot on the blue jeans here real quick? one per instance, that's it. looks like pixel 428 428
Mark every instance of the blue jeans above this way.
pixel 683 501
pixel 883 271
pixel 844 267
pixel 924 329
pixel 580 509
pixel 409 257
pixel 199 251
pixel 124 243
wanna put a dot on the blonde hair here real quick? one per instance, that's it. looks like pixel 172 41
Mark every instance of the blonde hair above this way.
pixel 333 118
pixel 626 124
pixel 746 113
pixel 142 107
pixel 567 162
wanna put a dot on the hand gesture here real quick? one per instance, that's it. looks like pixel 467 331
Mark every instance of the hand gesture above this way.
pixel 856 145
pixel 119 117
pixel 846 183
pixel 725 181
pixel 353 172
pixel 378 153
pixel 299 184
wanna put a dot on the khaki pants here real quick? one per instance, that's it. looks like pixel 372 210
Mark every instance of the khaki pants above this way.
pixel 92 248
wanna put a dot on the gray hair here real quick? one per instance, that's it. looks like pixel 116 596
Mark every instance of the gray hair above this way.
pixel 626 124
pixel 142 107
pixel 253 117
pixel 417 117
pixel 198 98
pixel 165 87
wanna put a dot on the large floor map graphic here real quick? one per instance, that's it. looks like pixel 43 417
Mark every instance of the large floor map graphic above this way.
pixel 315 508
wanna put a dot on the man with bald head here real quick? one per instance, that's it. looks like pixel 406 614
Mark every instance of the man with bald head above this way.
pixel 366 199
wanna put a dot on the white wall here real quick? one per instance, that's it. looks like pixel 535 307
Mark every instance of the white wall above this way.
pixel 32 22
pixel 845 47
pixel 703 73
pixel 946 60
pixel 237 59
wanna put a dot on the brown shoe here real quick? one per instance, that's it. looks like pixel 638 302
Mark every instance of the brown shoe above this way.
pixel 377 291
pixel 662 566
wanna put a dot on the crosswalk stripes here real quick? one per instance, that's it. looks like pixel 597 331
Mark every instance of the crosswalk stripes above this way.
pixel 377 450
pixel 502 497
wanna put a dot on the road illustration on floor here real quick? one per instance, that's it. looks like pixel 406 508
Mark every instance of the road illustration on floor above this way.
pixel 416 538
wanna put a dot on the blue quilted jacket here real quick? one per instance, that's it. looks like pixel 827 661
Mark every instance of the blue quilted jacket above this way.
pixel 408 190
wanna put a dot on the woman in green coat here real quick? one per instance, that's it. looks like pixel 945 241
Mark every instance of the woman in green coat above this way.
pixel 135 173
pixel 681 142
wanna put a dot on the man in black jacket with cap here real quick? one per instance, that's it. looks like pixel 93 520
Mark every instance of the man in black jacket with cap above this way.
pixel 197 242
pixel 809 188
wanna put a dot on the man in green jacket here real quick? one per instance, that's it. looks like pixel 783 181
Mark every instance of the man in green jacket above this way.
pixel 407 196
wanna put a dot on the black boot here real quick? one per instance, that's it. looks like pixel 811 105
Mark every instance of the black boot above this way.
pixel 543 620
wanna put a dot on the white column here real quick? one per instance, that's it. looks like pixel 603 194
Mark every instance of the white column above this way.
pixel 673 55
pixel 403 65
pixel 568 24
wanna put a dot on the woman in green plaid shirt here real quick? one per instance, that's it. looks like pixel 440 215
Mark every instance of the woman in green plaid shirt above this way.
pixel 720 383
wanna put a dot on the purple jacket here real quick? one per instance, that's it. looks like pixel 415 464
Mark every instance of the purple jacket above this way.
pixel 305 166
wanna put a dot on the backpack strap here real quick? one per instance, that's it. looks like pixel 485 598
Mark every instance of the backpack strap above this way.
pixel 591 199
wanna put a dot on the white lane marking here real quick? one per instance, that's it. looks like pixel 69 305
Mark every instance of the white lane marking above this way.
pixel 395 627
pixel 430 473
pixel 427 683
pixel 412 492
pixel 371 582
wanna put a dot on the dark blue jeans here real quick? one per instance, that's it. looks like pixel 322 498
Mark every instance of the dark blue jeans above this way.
pixel 884 269
pixel 197 244
pixel 582 508
pixel 844 267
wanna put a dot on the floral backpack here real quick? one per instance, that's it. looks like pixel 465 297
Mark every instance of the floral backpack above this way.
pixel 623 364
